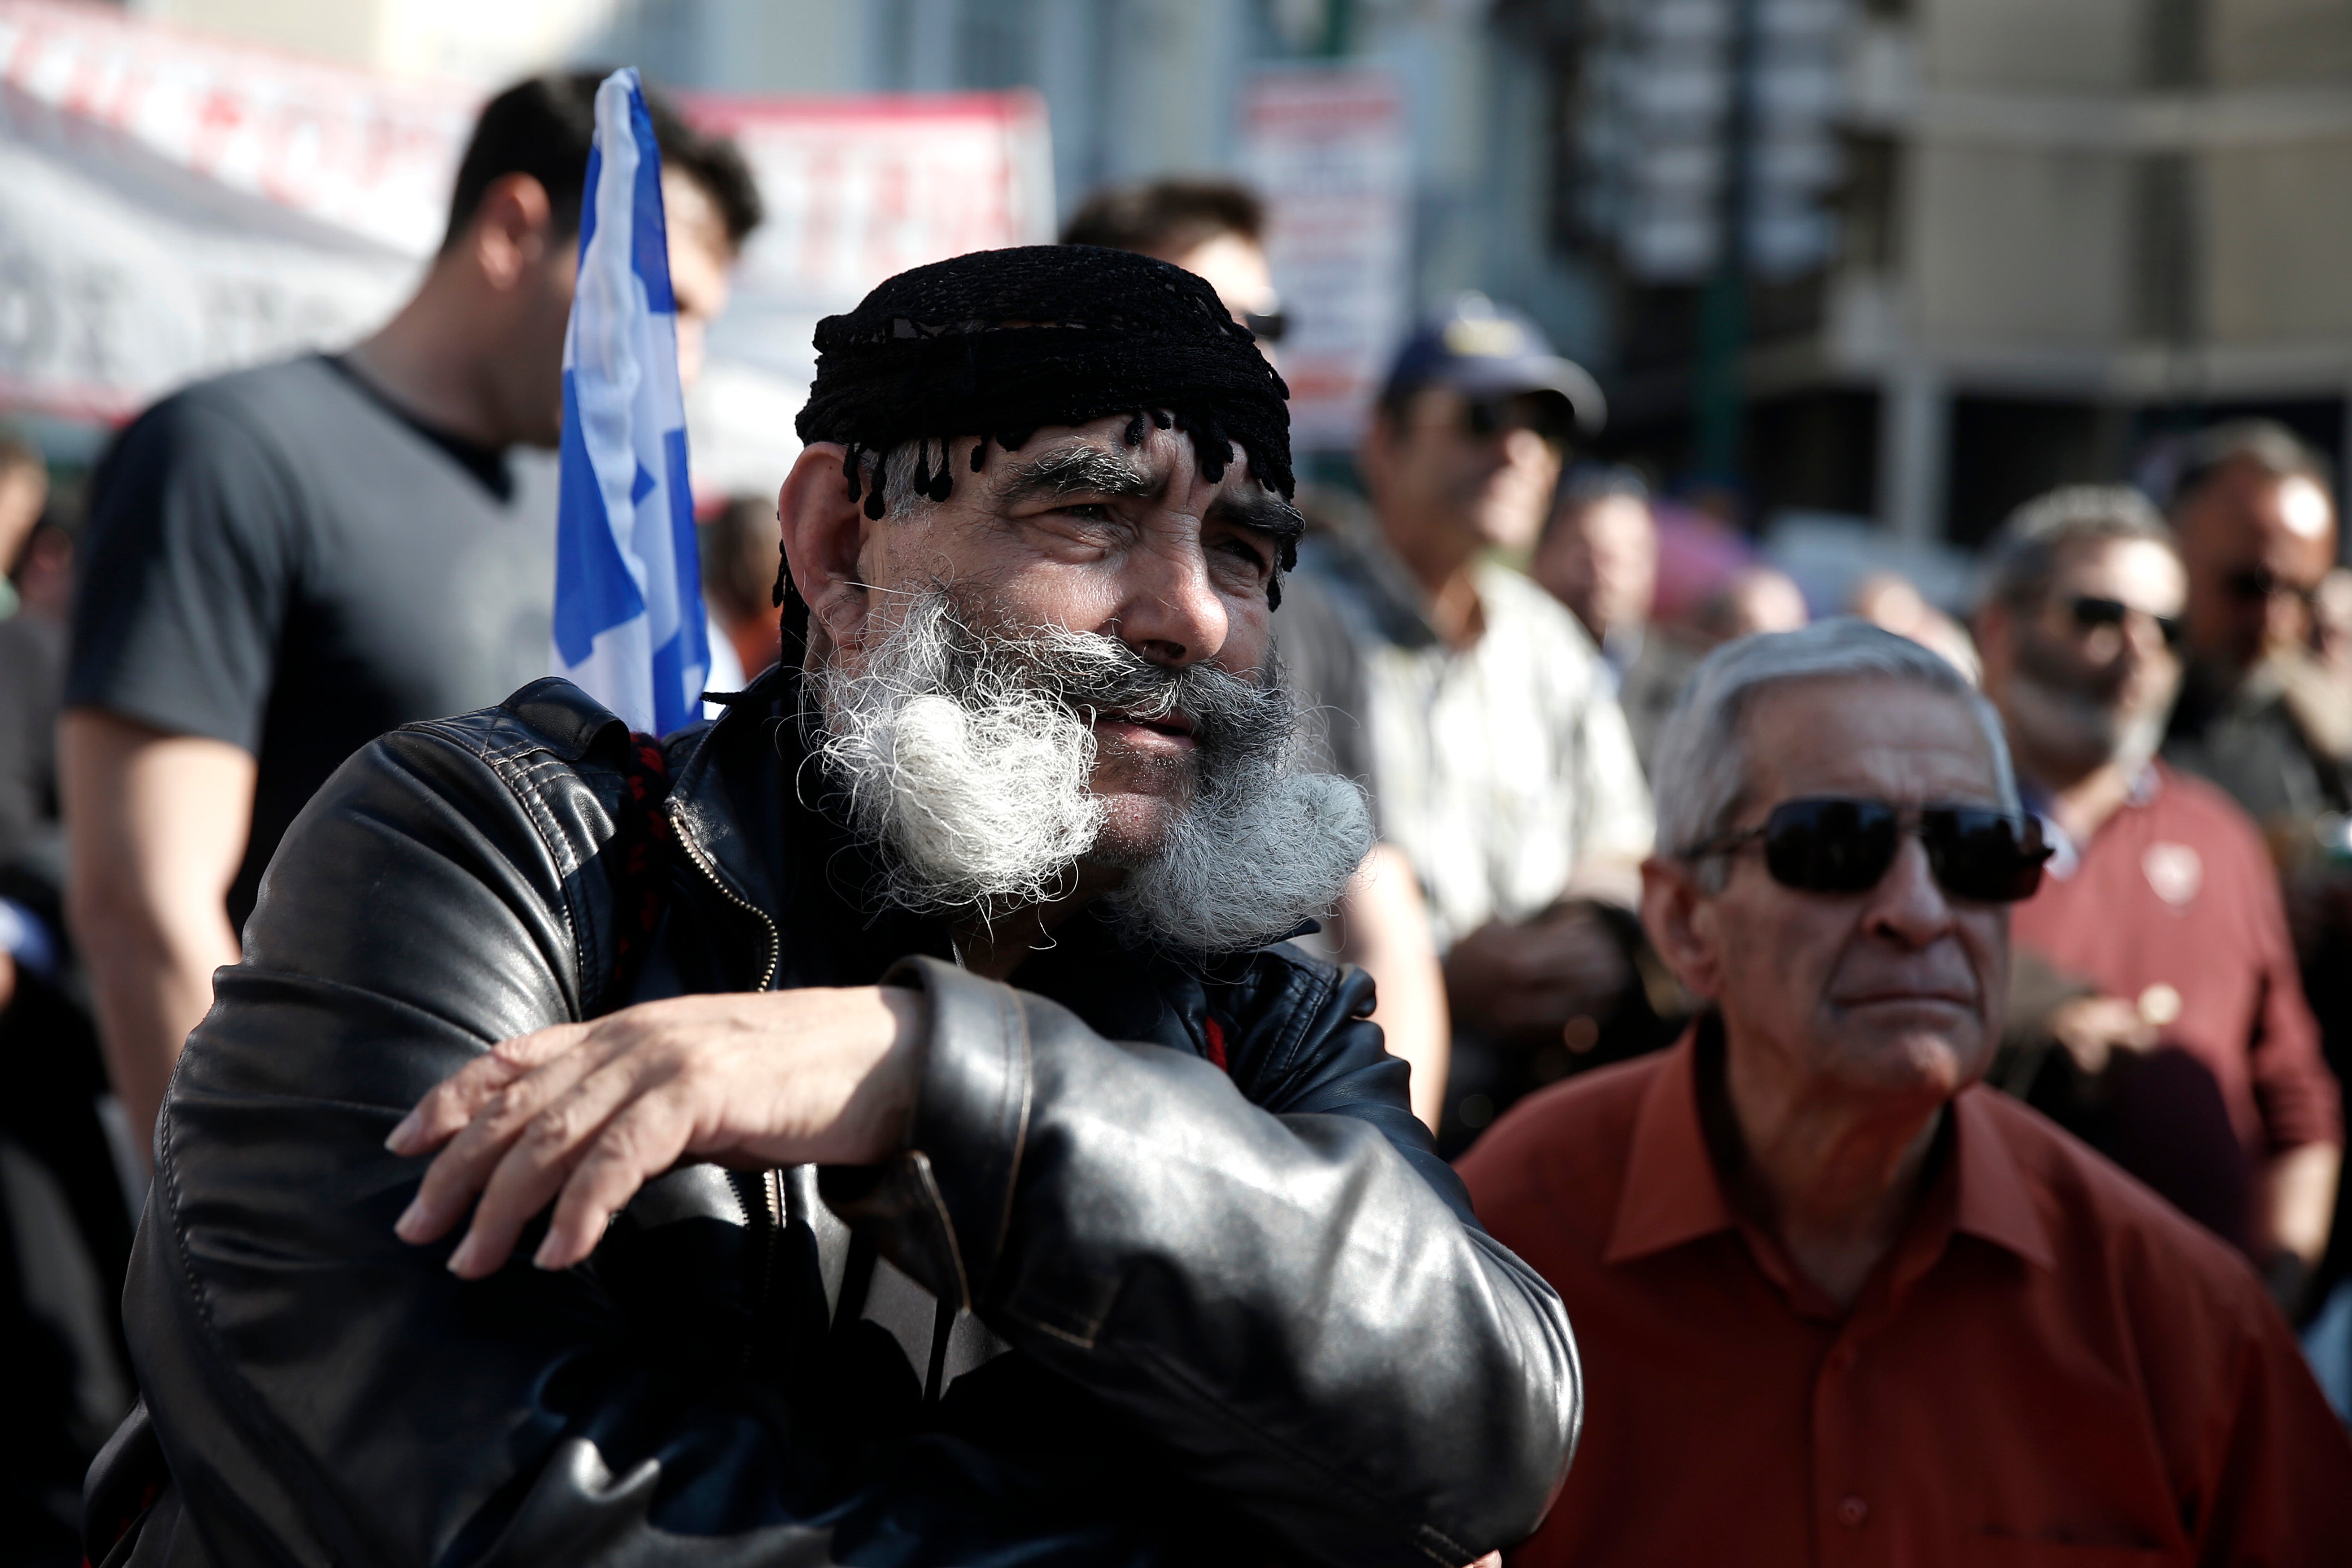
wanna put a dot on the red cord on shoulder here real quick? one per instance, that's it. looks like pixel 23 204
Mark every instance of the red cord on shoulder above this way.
pixel 1216 1033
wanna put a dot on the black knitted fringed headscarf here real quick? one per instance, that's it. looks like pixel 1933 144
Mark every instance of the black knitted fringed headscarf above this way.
pixel 1001 343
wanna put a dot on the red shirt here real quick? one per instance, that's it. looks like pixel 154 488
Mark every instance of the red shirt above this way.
pixel 2050 1367
pixel 2176 890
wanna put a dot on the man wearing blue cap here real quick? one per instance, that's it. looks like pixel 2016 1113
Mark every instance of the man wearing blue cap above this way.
pixel 1499 763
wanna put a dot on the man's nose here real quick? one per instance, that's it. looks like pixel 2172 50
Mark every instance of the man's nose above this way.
pixel 2135 640
pixel 2143 638
pixel 1172 613
pixel 1907 907
pixel 1523 447
pixel 2283 620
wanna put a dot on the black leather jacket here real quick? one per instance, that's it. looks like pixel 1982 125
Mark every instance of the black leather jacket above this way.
pixel 1115 1307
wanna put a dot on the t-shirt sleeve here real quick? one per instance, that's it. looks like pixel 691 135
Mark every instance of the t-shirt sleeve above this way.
pixel 189 563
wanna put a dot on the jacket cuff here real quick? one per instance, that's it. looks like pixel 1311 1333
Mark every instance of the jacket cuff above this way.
pixel 941 1211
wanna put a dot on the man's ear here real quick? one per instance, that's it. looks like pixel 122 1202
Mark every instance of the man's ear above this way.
pixel 511 231
pixel 1678 922
pixel 823 531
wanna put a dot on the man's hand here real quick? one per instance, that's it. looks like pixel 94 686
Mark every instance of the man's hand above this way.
pixel 2093 1028
pixel 1526 982
pixel 2296 1203
pixel 585 1115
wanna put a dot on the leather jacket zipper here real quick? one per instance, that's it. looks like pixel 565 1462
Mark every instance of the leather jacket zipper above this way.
pixel 710 874
pixel 770 1188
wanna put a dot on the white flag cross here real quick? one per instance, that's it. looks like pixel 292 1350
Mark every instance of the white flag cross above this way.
pixel 629 627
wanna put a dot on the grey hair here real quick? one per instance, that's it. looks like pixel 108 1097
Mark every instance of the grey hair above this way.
pixel 2024 556
pixel 1700 777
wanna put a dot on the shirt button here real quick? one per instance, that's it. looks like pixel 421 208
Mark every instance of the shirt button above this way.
pixel 1852 1511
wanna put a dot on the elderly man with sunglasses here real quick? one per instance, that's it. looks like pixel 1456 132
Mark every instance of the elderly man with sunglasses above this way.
pixel 2189 1054
pixel 1840 1303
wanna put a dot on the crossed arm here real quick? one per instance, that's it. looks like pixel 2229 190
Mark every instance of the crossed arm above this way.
pixel 1381 1383
pixel 583 1116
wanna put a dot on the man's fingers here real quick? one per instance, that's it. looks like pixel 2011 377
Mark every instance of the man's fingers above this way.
pixel 535 1163
pixel 453 1103
pixel 464 1167
pixel 635 1146
pixel 588 1115
pixel 448 1105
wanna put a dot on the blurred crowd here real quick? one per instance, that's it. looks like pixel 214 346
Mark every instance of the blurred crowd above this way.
pixel 1491 632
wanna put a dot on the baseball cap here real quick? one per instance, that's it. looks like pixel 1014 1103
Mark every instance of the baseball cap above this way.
pixel 1483 349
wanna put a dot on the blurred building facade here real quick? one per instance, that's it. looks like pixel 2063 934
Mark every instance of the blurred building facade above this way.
pixel 1984 246
pixel 2049 232
pixel 1135 88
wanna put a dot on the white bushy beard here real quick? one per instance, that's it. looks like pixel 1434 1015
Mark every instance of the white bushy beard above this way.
pixel 967 755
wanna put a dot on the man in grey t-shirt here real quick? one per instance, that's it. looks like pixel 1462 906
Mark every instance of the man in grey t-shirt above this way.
pixel 284 563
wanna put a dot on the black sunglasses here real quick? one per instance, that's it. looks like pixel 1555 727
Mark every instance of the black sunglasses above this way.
pixel 2262 583
pixel 1485 418
pixel 1267 326
pixel 2091 613
pixel 1832 844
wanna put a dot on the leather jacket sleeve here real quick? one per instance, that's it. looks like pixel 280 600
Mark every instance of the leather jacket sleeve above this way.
pixel 1292 1294
pixel 1309 1323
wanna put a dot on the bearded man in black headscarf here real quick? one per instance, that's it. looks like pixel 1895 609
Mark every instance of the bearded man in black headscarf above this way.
pixel 884 1127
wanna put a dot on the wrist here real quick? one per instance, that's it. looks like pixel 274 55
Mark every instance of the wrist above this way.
pixel 882 1108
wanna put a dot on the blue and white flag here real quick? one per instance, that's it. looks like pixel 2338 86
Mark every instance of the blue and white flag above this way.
pixel 629 624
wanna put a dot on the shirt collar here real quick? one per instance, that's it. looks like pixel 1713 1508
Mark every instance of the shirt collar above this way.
pixel 1673 1194
pixel 1995 1203
pixel 2065 854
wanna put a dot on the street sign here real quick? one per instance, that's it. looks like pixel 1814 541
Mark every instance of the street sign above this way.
pixel 1328 151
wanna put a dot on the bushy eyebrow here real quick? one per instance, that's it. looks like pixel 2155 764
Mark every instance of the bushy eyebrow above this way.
pixel 1261 512
pixel 1083 469
pixel 1076 469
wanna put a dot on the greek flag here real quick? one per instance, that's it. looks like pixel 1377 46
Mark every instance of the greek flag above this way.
pixel 629 624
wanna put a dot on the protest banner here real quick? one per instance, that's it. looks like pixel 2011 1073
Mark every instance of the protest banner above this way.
pixel 173 205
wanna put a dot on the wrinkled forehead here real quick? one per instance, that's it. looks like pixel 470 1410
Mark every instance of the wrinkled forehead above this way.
pixel 1874 736
pixel 2150 565
pixel 2248 506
